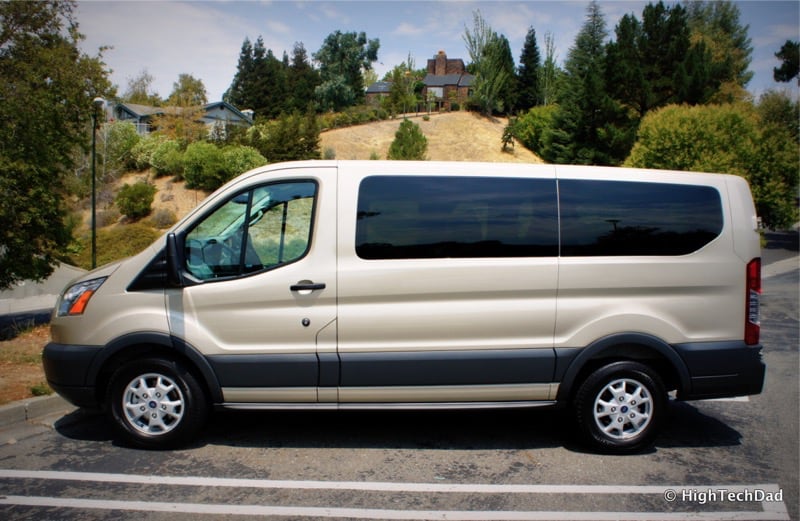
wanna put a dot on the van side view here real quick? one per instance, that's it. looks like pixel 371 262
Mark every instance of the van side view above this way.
pixel 372 284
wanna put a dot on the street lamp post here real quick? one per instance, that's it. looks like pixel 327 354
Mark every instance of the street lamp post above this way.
pixel 97 104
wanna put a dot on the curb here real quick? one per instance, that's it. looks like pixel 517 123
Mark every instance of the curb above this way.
pixel 32 408
pixel 780 267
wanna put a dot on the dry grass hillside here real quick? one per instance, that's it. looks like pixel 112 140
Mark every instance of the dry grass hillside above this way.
pixel 453 136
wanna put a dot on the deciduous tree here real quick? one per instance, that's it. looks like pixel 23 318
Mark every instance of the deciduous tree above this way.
pixel 342 58
pixel 47 90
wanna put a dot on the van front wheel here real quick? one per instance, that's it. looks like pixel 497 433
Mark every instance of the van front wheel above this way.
pixel 156 403
pixel 619 407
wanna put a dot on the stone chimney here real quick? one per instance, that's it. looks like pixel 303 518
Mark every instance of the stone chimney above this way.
pixel 441 64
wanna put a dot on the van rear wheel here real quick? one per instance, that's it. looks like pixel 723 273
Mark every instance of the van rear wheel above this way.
pixel 619 407
pixel 156 403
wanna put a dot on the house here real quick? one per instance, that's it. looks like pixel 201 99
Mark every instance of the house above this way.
pixel 378 91
pixel 217 115
pixel 447 81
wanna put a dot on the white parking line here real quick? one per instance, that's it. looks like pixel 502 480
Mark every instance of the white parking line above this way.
pixel 771 510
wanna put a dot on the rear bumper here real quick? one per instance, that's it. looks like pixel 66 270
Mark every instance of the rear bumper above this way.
pixel 722 369
pixel 66 368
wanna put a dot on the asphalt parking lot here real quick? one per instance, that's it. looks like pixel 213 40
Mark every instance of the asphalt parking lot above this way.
pixel 729 459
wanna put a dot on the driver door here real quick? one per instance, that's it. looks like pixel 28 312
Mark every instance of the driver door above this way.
pixel 263 263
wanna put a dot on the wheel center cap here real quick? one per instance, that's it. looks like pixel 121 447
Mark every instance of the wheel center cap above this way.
pixel 624 409
pixel 152 404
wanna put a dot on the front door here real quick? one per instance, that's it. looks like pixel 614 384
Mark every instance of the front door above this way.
pixel 264 262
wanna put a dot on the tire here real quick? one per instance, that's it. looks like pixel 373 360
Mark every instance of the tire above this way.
pixel 620 406
pixel 156 403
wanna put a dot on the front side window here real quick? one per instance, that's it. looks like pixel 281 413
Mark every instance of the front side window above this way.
pixel 256 230
pixel 419 217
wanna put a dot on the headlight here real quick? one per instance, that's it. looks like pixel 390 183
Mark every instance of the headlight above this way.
pixel 77 296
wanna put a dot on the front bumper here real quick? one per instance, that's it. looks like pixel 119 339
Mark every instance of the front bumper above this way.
pixel 66 368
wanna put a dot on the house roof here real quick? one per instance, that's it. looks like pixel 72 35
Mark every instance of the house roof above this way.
pixel 146 111
pixel 380 87
pixel 461 80
pixel 227 106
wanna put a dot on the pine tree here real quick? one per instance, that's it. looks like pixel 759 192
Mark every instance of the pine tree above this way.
pixel 652 63
pixel 789 55
pixel 302 79
pixel 409 143
pixel 583 127
pixel 716 24
pixel 529 76
pixel 237 94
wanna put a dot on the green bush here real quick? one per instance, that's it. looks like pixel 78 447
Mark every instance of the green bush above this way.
pixel 116 243
pixel 136 200
pixel 532 128
pixel 291 137
pixel 409 142
pixel 142 152
pixel 167 159
pixel 162 218
pixel 240 159
pixel 204 166
pixel 121 139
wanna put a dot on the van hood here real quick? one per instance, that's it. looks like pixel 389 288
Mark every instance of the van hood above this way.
pixel 102 271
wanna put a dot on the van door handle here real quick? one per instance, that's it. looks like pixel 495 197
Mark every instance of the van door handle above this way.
pixel 307 286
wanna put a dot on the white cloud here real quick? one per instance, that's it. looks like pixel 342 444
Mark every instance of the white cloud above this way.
pixel 408 29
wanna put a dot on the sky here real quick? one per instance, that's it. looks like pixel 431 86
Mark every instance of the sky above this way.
pixel 204 38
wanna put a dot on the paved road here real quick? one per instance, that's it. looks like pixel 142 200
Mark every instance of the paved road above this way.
pixel 715 460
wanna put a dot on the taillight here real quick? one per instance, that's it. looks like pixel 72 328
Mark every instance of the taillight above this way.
pixel 752 324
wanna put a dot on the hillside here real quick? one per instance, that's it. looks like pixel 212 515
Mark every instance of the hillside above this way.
pixel 452 136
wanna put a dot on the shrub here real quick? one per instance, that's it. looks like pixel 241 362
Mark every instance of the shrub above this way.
pixel 239 159
pixel 167 159
pixel 204 166
pixel 121 139
pixel 116 243
pixel 142 152
pixel 292 137
pixel 107 217
pixel 136 200
pixel 162 218
pixel 409 142
pixel 532 128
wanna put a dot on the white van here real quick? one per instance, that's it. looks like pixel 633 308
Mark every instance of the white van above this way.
pixel 349 284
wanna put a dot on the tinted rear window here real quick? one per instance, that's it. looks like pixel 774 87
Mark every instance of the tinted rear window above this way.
pixel 415 217
pixel 628 218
